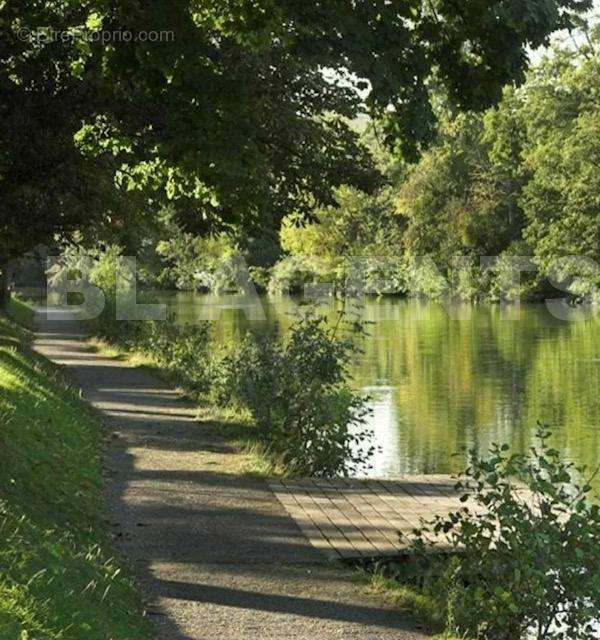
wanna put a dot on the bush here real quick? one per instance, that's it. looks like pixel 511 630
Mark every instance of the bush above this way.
pixel 290 275
pixel 426 280
pixel 526 564
pixel 298 396
pixel 385 276
pixel 182 350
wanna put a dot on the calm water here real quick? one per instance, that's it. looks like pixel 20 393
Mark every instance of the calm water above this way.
pixel 441 381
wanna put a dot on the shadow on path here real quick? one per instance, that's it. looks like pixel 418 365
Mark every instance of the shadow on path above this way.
pixel 216 551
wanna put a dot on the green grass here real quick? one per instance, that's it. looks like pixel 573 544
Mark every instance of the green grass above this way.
pixel 406 597
pixel 59 578
pixel 21 313
pixel 416 586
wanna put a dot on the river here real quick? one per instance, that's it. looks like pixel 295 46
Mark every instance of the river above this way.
pixel 442 379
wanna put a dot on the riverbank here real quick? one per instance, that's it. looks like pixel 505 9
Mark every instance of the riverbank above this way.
pixel 60 575
pixel 234 423
pixel 418 591
pixel 430 591
pixel 232 432
pixel 215 549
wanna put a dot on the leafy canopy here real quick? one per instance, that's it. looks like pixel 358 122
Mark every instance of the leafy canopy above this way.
pixel 235 111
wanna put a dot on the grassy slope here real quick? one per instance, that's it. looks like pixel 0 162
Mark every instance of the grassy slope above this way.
pixel 58 578
pixel 21 313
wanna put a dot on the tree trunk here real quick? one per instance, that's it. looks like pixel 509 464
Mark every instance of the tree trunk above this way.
pixel 4 290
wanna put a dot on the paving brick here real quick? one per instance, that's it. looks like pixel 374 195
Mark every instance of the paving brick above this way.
pixel 353 518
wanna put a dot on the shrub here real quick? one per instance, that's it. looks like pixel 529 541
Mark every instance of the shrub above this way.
pixel 385 276
pixel 425 279
pixel 180 349
pixel 298 395
pixel 526 564
pixel 290 275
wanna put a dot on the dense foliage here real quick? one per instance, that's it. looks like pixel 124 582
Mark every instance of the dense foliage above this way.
pixel 527 555
pixel 504 204
pixel 234 112
pixel 518 183
pixel 219 262
pixel 298 394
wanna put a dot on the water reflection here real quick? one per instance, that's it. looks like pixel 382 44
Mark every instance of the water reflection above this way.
pixel 443 379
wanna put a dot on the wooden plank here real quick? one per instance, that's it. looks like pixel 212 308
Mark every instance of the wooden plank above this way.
pixel 354 518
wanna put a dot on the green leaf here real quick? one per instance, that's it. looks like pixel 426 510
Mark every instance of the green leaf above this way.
pixel 94 21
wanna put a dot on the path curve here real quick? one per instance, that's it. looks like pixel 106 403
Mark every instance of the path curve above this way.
pixel 216 552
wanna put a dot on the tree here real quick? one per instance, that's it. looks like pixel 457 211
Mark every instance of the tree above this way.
pixel 562 198
pixel 462 197
pixel 46 185
pixel 324 249
pixel 235 116
pixel 230 116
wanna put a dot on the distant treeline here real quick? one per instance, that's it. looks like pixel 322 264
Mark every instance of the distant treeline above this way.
pixel 519 184
pixel 521 180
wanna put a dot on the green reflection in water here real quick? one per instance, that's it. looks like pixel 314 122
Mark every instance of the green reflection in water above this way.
pixel 445 378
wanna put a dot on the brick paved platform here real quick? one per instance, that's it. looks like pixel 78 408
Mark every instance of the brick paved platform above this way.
pixel 348 518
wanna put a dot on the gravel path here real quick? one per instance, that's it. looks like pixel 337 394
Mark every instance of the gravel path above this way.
pixel 217 553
